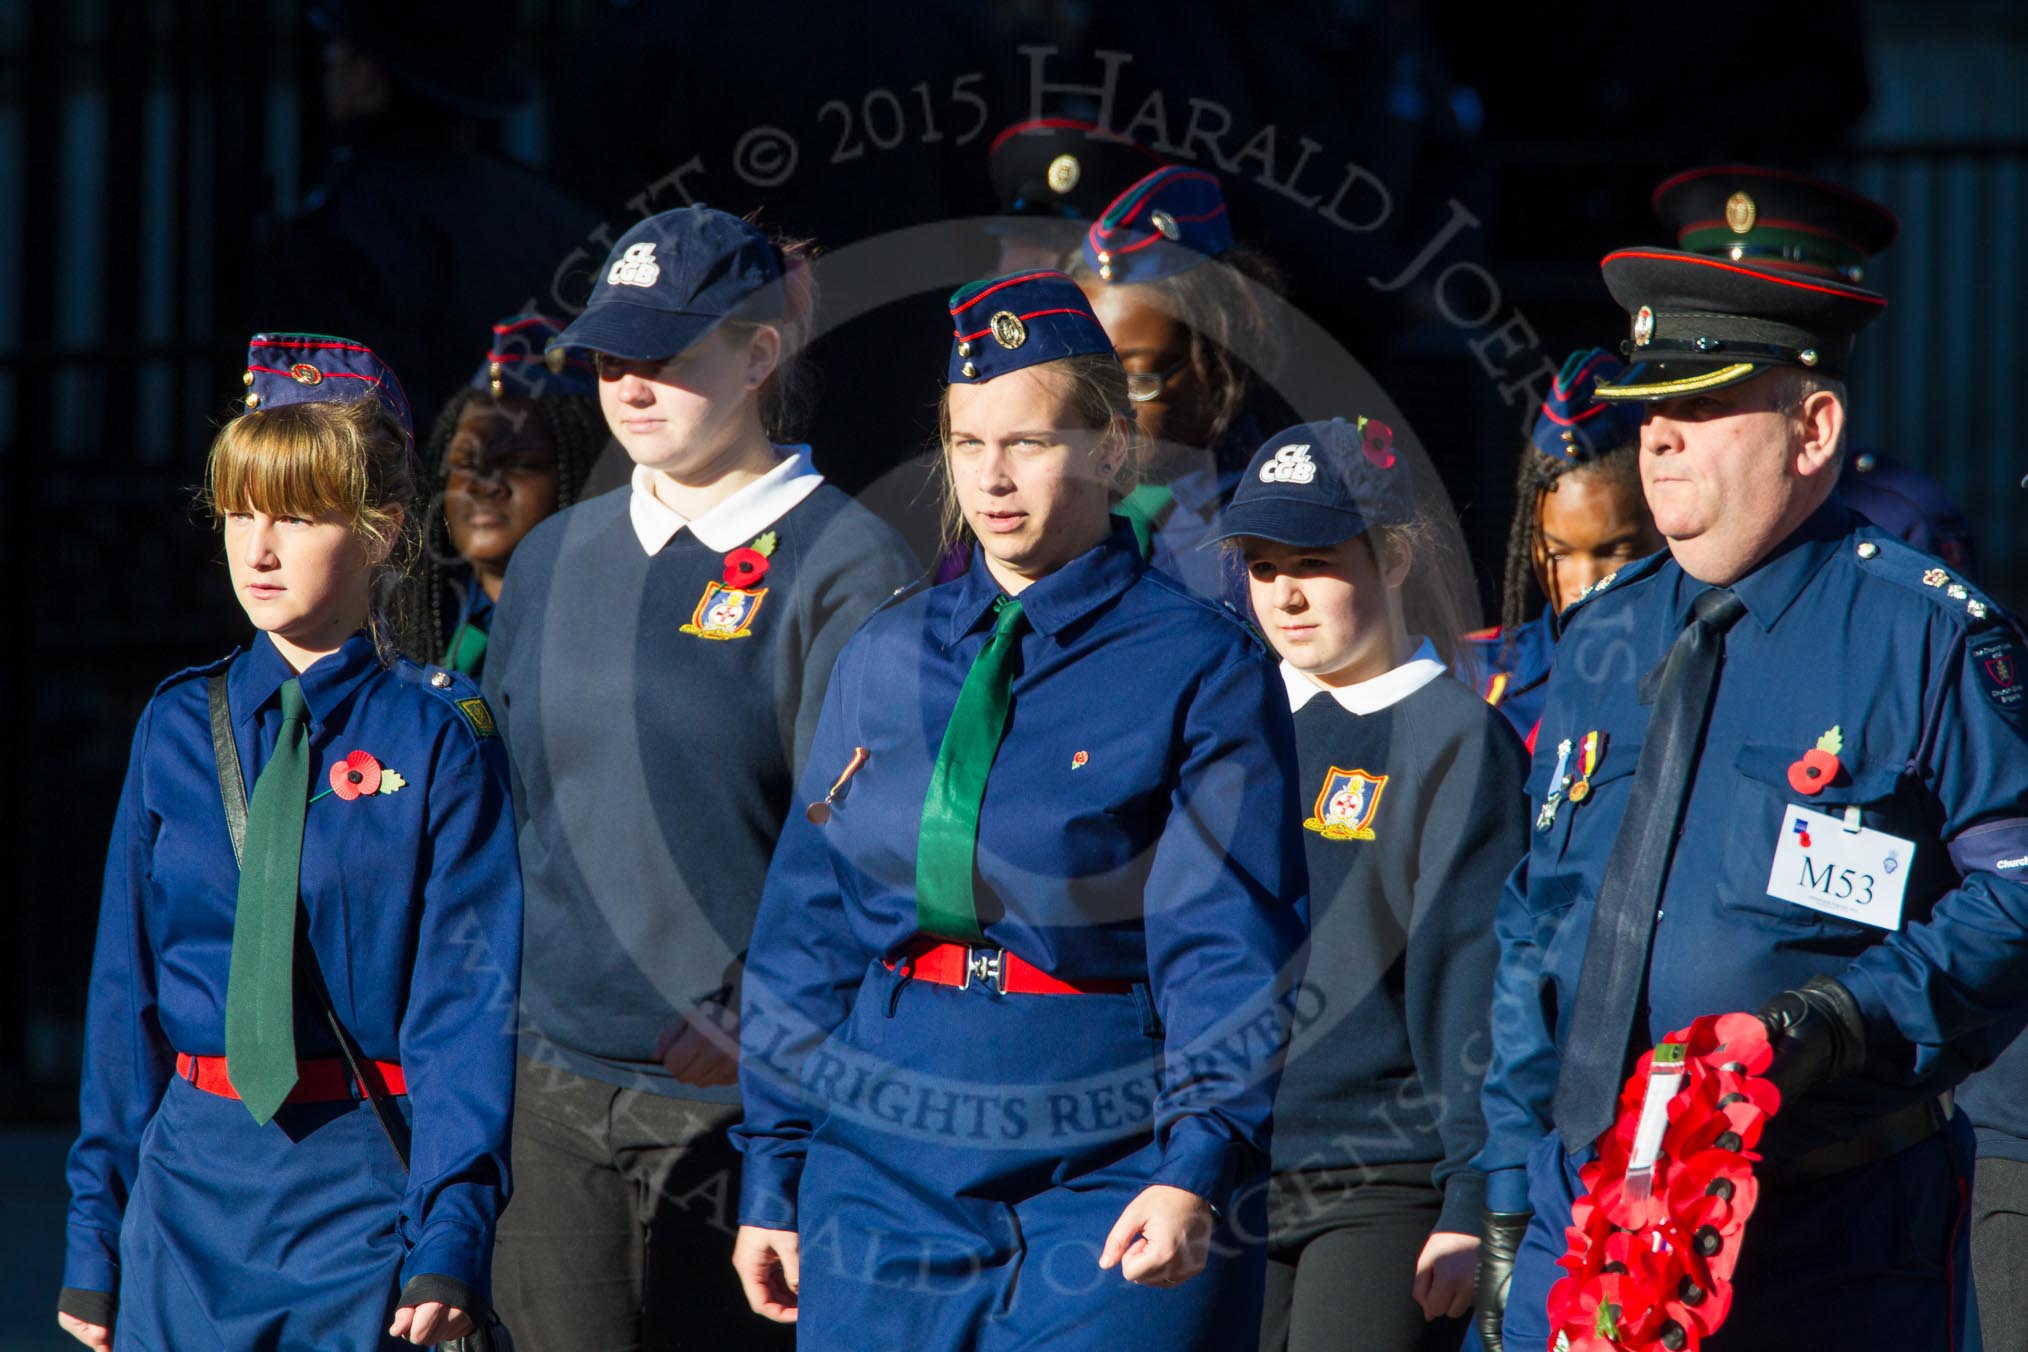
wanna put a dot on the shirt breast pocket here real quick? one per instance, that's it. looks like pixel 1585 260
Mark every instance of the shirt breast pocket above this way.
pixel 1753 833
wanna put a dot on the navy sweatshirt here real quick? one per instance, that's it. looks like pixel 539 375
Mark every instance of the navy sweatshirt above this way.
pixel 656 726
pixel 1415 816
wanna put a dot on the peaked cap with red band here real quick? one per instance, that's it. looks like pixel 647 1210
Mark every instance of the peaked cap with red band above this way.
pixel 1062 167
pixel 1704 323
pixel 1168 222
pixel 1002 324
pixel 1574 428
pixel 1745 213
pixel 516 367
pixel 316 368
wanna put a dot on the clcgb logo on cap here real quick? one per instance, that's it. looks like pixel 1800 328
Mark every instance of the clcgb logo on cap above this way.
pixel 1064 172
pixel 636 267
pixel 1291 465
pixel 1644 326
pixel 305 374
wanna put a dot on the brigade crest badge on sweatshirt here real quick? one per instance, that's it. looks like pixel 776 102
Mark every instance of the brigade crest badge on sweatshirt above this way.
pixel 725 612
pixel 1345 806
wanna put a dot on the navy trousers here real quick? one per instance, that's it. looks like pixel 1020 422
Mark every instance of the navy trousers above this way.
pixel 975 1152
pixel 1877 1256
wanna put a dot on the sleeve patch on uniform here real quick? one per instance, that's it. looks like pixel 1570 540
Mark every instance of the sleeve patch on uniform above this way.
pixel 1996 665
pixel 478 715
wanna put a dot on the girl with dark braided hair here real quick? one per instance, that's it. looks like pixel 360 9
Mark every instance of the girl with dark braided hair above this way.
pixel 1578 517
pixel 511 448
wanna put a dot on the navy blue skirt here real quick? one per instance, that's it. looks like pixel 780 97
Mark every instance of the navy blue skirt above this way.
pixel 268 1238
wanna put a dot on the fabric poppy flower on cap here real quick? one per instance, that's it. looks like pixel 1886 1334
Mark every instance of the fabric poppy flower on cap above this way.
pixel 1376 439
pixel 355 776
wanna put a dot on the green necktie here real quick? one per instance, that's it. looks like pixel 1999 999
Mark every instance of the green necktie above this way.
pixel 948 846
pixel 1145 508
pixel 468 645
pixel 260 1008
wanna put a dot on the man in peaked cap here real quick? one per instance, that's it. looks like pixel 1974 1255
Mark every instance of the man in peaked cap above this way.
pixel 1777 219
pixel 1055 174
pixel 1812 803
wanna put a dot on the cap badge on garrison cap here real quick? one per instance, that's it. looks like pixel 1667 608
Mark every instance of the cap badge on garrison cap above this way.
pixel 1008 330
pixel 303 373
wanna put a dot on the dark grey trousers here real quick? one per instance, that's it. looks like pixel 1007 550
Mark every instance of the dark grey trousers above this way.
pixel 2000 1252
pixel 619 1232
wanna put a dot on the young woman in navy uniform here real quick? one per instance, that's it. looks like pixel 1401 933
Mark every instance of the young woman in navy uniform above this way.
pixel 510 449
pixel 657 661
pixel 231 1185
pixel 1182 305
pixel 1578 516
pixel 1016 999
pixel 1417 815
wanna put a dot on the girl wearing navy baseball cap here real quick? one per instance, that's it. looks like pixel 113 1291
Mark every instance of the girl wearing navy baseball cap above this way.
pixel 657 658
pixel 1017 996
pixel 1415 814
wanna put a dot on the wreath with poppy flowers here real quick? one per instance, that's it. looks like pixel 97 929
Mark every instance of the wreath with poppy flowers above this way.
pixel 1650 1267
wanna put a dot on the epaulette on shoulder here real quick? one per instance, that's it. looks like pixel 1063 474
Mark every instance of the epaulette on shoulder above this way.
pixel 202 669
pixel 900 594
pixel 1882 554
pixel 1224 610
pixel 459 691
pixel 1637 571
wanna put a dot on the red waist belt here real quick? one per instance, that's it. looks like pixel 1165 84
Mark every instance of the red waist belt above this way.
pixel 948 964
pixel 325 1080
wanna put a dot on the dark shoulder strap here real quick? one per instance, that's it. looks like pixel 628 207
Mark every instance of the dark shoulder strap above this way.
pixel 232 795
pixel 231 778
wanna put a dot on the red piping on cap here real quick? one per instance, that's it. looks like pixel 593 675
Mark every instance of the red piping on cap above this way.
pixel 1845 293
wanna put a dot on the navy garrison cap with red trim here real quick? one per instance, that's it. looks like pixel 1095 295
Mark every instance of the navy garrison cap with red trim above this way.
pixel 1168 222
pixel 516 367
pixel 1704 323
pixel 1002 324
pixel 316 368
pixel 1573 427
pixel 1745 213
pixel 1062 167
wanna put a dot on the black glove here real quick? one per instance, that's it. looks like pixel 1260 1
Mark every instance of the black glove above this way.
pixel 1500 1235
pixel 1817 1035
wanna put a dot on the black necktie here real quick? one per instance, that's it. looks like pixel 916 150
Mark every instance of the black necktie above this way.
pixel 1623 919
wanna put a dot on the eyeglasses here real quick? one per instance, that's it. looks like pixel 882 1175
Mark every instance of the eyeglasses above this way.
pixel 1144 386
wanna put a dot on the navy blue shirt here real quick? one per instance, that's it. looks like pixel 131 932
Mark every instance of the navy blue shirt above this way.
pixel 657 720
pixel 1140 824
pixel 1845 627
pixel 1513 676
pixel 414 904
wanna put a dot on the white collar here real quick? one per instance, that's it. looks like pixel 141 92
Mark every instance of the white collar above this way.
pixel 1369 696
pixel 736 520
